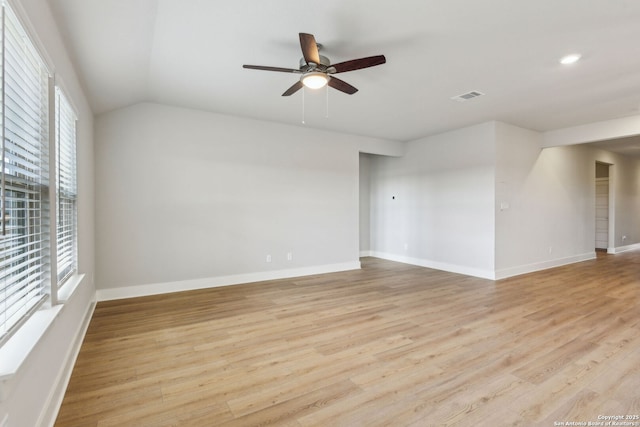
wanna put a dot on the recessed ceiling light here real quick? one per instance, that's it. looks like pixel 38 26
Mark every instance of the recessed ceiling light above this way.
pixel 570 59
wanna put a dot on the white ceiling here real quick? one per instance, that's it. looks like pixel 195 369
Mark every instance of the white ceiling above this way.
pixel 190 53
pixel 629 146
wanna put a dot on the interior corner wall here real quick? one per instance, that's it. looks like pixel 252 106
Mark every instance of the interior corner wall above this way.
pixel 545 201
pixel 625 176
pixel 188 195
pixel 435 205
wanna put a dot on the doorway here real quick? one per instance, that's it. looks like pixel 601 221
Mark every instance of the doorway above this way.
pixel 602 206
pixel 365 204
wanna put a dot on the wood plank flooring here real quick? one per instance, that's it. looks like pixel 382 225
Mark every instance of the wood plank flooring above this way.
pixel 388 345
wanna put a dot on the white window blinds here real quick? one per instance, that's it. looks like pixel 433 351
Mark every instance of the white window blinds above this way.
pixel 24 210
pixel 66 187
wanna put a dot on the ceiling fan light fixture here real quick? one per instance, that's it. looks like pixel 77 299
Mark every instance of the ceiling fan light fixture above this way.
pixel 315 80
pixel 570 59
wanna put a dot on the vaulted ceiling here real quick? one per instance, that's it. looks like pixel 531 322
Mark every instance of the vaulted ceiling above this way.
pixel 190 53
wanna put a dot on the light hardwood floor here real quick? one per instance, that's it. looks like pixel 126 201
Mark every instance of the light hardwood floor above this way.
pixel 390 344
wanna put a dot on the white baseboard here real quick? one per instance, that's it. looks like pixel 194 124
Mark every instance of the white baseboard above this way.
pixel 537 266
pixel 365 254
pixel 48 417
pixel 213 282
pixel 437 265
pixel 626 248
pixel 485 274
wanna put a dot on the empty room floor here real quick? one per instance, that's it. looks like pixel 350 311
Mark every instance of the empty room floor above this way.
pixel 390 344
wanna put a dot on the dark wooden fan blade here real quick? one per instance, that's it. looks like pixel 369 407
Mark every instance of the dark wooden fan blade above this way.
pixel 261 67
pixel 293 89
pixel 342 86
pixel 357 64
pixel 309 48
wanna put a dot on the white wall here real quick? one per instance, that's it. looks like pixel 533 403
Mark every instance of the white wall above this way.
pixel 591 132
pixel 489 201
pixel 550 194
pixel 545 203
pixel 435 206
pixel 626 198
pixel 32 395
pixel 188 197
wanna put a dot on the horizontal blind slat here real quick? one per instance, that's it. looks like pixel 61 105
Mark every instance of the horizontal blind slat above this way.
pixel 24 249
pixel 66 187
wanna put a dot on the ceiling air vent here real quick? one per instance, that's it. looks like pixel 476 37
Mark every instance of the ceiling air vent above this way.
pixel 467 96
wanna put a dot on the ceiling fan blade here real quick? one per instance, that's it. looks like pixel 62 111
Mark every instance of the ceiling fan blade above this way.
pixel 357 64
pixel 342 86
pixel 262 67
pixel 293 89
pixel 309 48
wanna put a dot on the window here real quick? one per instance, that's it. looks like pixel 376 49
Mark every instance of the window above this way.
pixel 66 187
pixel 24 176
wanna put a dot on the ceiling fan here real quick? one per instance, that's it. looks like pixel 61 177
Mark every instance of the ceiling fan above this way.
pixel 317 71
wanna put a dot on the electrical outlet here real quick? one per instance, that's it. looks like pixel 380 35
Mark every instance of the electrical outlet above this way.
pixel 268 258
pixel 289 256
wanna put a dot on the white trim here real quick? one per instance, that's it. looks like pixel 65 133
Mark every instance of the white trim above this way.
pixel 56 395
pixel 29 28
pixel 15 352
pixel 17 349
pixel 365 253
pixel 73 282
pixel 530 268
pixel 58 82
pixel 214 282
pixel 437 265
pixel 626 248
pixel 485 274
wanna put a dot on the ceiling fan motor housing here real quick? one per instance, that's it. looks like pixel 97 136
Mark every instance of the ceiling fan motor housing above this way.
pixel 324 63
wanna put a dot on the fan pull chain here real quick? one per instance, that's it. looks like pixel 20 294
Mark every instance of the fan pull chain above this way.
pixel 303 91
pixel 327 113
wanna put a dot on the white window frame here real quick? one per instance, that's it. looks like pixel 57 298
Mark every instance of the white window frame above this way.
pixel 66 188
pixel 25 216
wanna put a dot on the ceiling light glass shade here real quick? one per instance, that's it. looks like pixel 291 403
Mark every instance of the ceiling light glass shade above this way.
pixel 315 80
pixel 570 59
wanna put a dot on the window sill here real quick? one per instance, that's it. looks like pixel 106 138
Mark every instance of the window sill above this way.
pixel 17 349
pixel 69 287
